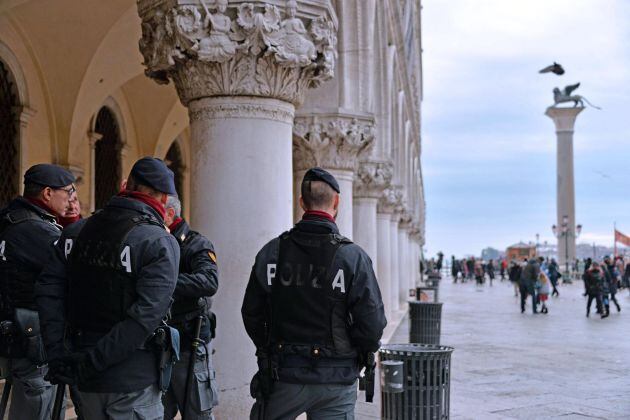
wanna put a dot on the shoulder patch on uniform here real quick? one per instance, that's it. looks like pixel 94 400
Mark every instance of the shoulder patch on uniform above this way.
pixel 212 256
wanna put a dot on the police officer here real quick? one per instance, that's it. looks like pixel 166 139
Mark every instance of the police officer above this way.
pixel 313 309
pixel 197 281
pixel 114 273
pixel 28 229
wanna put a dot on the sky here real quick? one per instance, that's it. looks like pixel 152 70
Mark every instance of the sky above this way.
pixel 488 150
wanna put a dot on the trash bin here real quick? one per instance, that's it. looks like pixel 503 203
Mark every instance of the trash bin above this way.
pixel 425 320
pixel 426 382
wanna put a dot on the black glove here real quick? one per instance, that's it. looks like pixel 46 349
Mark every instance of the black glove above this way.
pixel 59 372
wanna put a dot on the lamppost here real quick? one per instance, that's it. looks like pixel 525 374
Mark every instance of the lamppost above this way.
pixel 565 232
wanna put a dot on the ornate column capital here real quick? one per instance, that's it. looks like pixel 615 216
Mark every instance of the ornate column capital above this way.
pixel 335 141
pixel 390 199
pixel 273 48
pixel 372 178
pixel 24 115
pixel 406 219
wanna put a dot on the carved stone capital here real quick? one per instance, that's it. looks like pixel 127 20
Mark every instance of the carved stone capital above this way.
pixel 273 48
pixel 372 178
pixel 93 138
pixel 331 141
pixel 390 200
pixel 406 219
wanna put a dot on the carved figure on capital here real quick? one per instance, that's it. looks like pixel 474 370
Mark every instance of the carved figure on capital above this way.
pixel 216 49
pixel 217 46
pixel 389 200
pixel 335 144
pixel 291 44
pixel 372 178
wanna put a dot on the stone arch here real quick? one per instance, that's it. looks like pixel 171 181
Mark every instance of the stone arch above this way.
pixel 107 172
pixel 9 140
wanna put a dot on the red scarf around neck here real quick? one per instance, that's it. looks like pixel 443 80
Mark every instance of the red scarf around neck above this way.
pixel 176 222
pixel 40 203
pixel 146 199
pixel 317 214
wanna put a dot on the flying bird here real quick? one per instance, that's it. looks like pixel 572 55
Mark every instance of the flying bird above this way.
pixel 554 68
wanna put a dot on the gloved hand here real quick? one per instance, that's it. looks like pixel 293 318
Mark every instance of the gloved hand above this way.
pixel 59 372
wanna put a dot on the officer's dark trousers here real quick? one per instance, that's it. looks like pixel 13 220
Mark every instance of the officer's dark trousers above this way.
pixel 145 404
pixel 32 397
pixel 203 394
pixel 319 402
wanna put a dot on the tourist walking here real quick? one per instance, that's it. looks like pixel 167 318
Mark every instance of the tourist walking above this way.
pixel 490 269
pixel 527 283
pixel 593 281
pixel 544 287
pixel 554 275
pixel 514 274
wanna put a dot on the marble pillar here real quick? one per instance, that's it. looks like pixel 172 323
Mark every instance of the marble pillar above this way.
pixel 384 259
pixel 370 181
pixel 334 142
pixel 241 85
pixel 395 262
pixel 564 121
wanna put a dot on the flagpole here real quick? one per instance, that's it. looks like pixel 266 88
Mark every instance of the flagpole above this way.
pixel 615 238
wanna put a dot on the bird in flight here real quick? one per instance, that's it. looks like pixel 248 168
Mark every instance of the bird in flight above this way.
pixel 554 68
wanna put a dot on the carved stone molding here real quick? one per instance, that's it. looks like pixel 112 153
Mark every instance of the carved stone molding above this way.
pixel 372 178
pixel 390 200
pixel 331 141
pixel 208 48
pixel 242 107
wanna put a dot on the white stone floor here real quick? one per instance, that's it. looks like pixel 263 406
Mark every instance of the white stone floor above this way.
pixel 508 365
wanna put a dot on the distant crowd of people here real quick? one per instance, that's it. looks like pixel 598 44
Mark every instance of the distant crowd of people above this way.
pixel 539 278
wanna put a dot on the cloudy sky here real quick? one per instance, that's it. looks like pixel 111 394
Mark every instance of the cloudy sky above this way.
pixel 489 150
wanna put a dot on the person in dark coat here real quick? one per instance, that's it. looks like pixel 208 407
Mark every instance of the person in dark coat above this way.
pixel 106 287
pixel 514 275
pixel 314 311
pixel 198 280
pixel 610 286
pixel 594 282
pixel 28 229
pixel 527 283
pixel 554 275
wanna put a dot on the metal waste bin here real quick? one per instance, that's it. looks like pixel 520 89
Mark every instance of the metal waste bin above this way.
pixel 425 321
pixel 434 279
pixel 426 374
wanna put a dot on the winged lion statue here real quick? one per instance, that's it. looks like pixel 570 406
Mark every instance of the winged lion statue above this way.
pixel 565 95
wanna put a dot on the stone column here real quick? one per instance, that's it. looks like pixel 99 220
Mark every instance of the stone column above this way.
pixel 240 73
pixel 403 256
pixel 371 180
pixel 395 261
pixel 333 142
pixel 564 120
pixel 384 270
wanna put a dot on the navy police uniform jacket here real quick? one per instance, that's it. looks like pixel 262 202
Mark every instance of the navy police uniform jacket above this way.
pixel 328 317
pixel 27 233
pixel 198 279
pixel 120 355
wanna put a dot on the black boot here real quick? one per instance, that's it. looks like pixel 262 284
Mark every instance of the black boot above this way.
pixel 606 312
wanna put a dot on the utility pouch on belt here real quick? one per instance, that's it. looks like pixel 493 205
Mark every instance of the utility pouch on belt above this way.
pixel 27 323
pixel 165 342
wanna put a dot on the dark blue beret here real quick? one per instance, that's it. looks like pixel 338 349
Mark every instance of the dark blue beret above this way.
pixel 319 174
pixel 48 175
pixel 154 173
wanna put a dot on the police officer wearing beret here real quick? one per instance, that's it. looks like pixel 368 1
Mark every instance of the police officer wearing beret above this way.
pixel 112 276
pixel 314 310
pixel 197 281
pixel 28 228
